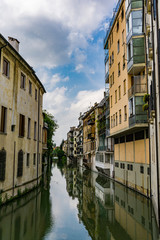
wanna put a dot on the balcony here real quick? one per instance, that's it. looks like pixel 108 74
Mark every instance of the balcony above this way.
pixel 91 136
pixel 137 119
pixel 91 121
pixel 132 4
pixel 136 62
pixel 107 77
pixel 139 86
pixel 106 149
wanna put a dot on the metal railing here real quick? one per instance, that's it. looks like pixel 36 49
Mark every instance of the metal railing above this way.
pixel 139 86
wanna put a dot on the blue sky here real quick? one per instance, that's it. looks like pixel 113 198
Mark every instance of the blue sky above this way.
pixel 63 41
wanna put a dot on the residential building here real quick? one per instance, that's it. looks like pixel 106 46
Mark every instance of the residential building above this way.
pixel 89 138
pixel 80 141
pixel 64 147
pixel 104 146
pixel 152 32
pixel 21 122
pixel 126 75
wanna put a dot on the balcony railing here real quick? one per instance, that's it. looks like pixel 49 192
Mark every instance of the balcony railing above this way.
pixel 139 86
pixel 106 149
pixel 107 77
pixel 137 119
pixel 91 121
pixel 91 136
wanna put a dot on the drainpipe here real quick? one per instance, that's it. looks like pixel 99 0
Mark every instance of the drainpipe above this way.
pixel 38 132
pixel 156 119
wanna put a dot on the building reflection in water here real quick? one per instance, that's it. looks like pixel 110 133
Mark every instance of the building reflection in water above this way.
pixel 108 210
pixel 28 218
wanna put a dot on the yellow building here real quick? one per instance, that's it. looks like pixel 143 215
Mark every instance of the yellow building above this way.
pixel 89 138
pixel 21 122
pixel 126 75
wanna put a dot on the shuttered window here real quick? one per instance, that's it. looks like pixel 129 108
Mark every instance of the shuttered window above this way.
pixel 3 119
pixel 21 125
pixel 2 164
pixel 20 164
pixel 23 80
pixel 5 67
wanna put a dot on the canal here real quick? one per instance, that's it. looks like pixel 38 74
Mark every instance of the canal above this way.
pixel 77 204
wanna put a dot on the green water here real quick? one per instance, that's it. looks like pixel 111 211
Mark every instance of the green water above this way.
pixel 78 205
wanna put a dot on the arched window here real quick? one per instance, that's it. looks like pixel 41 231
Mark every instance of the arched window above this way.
pixel 2 164
pixel 20 164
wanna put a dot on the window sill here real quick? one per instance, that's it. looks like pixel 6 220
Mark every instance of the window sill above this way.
pixel 3 133
pixel 28 138
pixel 21 136
pixel 6 76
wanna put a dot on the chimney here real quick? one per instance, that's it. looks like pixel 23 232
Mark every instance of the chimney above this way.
pixel 14 42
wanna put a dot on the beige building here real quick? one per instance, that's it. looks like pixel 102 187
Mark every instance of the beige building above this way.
pixel 89 138
pixel 21 122
pixel 126 75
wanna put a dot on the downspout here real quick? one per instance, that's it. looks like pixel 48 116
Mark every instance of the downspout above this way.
pixel 38 133
pixel 158 35
pixel 155 107
pixel 150 189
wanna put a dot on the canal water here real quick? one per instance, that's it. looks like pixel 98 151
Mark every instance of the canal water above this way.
pixel 77 204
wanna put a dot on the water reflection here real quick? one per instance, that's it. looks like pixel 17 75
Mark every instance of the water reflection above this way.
pixel 109 210
pixel 28 218
pixel 79 205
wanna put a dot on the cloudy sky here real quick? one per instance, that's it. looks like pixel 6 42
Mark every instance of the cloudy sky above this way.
pixel 63 41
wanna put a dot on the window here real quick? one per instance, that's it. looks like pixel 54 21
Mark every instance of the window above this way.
pixel 30 87
pixel 116 119
pixel 139 135
pixel 141 169
pixel 3 126
pixel 129 51
pixel 148 171
pixel 2 164
pixel 112 37
pixel 118 46
pixel 39 160
pixel 110 64
pixel 122 14
pixel 112 57
pixel 20 164
pixel 120 117
pixel 27 162
pixel 111 101
pixel 112 78
pixel 122 37
pixel 115 96
pixel 119 71
pixel 23 79
pixel 124 86
pixel 119 92
pixel 35 126
pixel 29 128
pixel 36 94
pixel 116 164
pixel 125 113
pixel 124 61
pixel 6 65
pixel 117 25
pixel 34 159
pixel 21 125
pixel 111 122
pixel 131 113
pixel 111 81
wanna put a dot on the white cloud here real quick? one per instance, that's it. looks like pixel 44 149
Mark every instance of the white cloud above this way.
pixel 66 111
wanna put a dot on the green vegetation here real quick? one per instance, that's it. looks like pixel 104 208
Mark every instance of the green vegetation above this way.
pixel 52 126
pixel 146 101
pixel 62 159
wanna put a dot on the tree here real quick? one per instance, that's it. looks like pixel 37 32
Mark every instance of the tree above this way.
pixel 61 145
pixel 52 126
